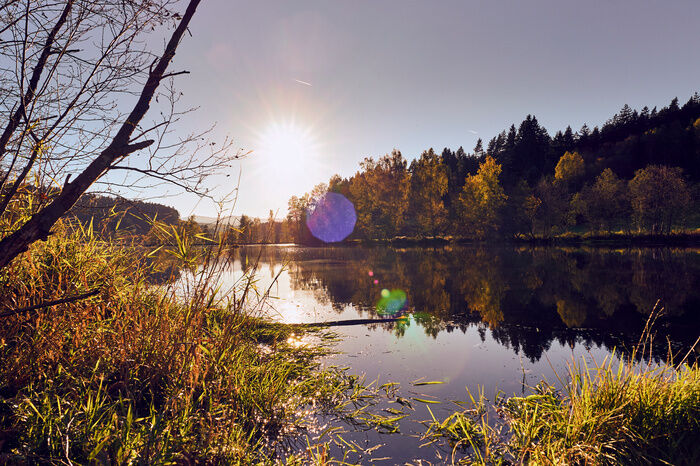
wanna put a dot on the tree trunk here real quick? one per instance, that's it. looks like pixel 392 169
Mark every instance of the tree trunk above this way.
pixel 39 226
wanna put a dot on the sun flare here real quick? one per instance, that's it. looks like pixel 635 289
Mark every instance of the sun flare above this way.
pixel 288 148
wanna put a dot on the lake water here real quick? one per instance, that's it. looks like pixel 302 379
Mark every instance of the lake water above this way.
pixel 495 318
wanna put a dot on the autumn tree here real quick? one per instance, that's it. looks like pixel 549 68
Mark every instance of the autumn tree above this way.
pixel 604 204
pixel 339 185
pixel 659 197
pixel 296 217
pixel 380 195
pixel 428 187
pixel 244 227
pixel 458 164
pixel 531 208
pixel 272 229
pixel 482 200
pixel 570 169
pixel 548 207
pixel 298 209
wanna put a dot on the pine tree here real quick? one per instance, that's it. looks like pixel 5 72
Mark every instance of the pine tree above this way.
pixel 479 149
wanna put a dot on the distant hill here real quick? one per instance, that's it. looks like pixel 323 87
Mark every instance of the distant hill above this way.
pixel 133 216
pixel 109 214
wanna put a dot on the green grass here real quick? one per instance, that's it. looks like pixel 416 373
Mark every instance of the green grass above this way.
pixel 144 374
pixel 619 412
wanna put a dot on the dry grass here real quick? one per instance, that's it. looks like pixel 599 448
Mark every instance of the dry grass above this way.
pixel 143 374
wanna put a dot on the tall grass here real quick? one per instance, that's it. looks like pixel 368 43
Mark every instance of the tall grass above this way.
pixel 618 412
pixel 143 374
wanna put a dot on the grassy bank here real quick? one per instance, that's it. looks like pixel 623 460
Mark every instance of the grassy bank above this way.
pixel 678 238
pixel 100 366
pixel 688 238
pixel 615 413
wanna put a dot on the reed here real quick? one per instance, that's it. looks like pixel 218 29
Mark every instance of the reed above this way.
pixel 621 411
pixel 101 366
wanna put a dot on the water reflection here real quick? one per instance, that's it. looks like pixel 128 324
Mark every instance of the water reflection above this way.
pixel 526 298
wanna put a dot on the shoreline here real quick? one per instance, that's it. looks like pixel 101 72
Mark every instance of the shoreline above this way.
pixel 603 240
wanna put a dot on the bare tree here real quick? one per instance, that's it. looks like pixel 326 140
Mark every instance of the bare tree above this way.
pixel 68 72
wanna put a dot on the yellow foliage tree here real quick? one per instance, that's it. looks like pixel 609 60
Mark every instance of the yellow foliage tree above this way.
pixel 482 199
pixel 570 168
pixel 380 194
pixel 428 187
pixel 605 203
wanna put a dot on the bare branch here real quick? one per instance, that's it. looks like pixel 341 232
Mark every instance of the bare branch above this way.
pixel 169 75
pixel 69 299
pixel 33 82
pixel 40 224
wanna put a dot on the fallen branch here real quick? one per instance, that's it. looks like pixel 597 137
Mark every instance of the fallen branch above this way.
pixel 344 323
pixel 69 299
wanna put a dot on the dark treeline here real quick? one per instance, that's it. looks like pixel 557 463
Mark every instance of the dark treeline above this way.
pixel 639 172
pixel 109 216
pixel 112 215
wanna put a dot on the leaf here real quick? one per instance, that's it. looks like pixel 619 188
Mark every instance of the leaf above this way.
pixel 432 382
pixel 433 402
pixel 150 254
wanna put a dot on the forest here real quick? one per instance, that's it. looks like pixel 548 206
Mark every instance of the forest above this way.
pixel 638 173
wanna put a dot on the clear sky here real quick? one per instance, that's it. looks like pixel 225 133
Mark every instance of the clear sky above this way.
pixel 312 87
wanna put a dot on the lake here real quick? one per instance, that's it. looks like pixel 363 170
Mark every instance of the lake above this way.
pixel 474 317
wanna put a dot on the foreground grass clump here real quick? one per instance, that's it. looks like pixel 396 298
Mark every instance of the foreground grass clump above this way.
pixel 608 414
pixel 139 374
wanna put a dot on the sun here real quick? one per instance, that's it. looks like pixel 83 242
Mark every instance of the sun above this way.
pixel 287 148
pixel 288 157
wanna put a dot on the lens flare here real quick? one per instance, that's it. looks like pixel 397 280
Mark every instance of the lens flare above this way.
pixel 332 218
pixel 391 302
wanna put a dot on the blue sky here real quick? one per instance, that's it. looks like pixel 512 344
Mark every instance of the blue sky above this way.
pixel 350 79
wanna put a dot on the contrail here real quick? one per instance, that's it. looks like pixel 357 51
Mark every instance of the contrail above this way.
pixel 303 82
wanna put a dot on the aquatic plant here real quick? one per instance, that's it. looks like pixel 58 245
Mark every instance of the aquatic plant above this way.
pixel 618 412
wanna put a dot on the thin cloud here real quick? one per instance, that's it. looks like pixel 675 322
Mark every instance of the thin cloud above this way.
pixel 303 82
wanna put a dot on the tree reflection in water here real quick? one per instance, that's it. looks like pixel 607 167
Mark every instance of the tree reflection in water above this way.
pixel 526 297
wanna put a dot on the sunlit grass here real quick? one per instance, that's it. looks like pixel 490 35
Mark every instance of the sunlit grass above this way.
pixel 143 374
pixel 618 412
